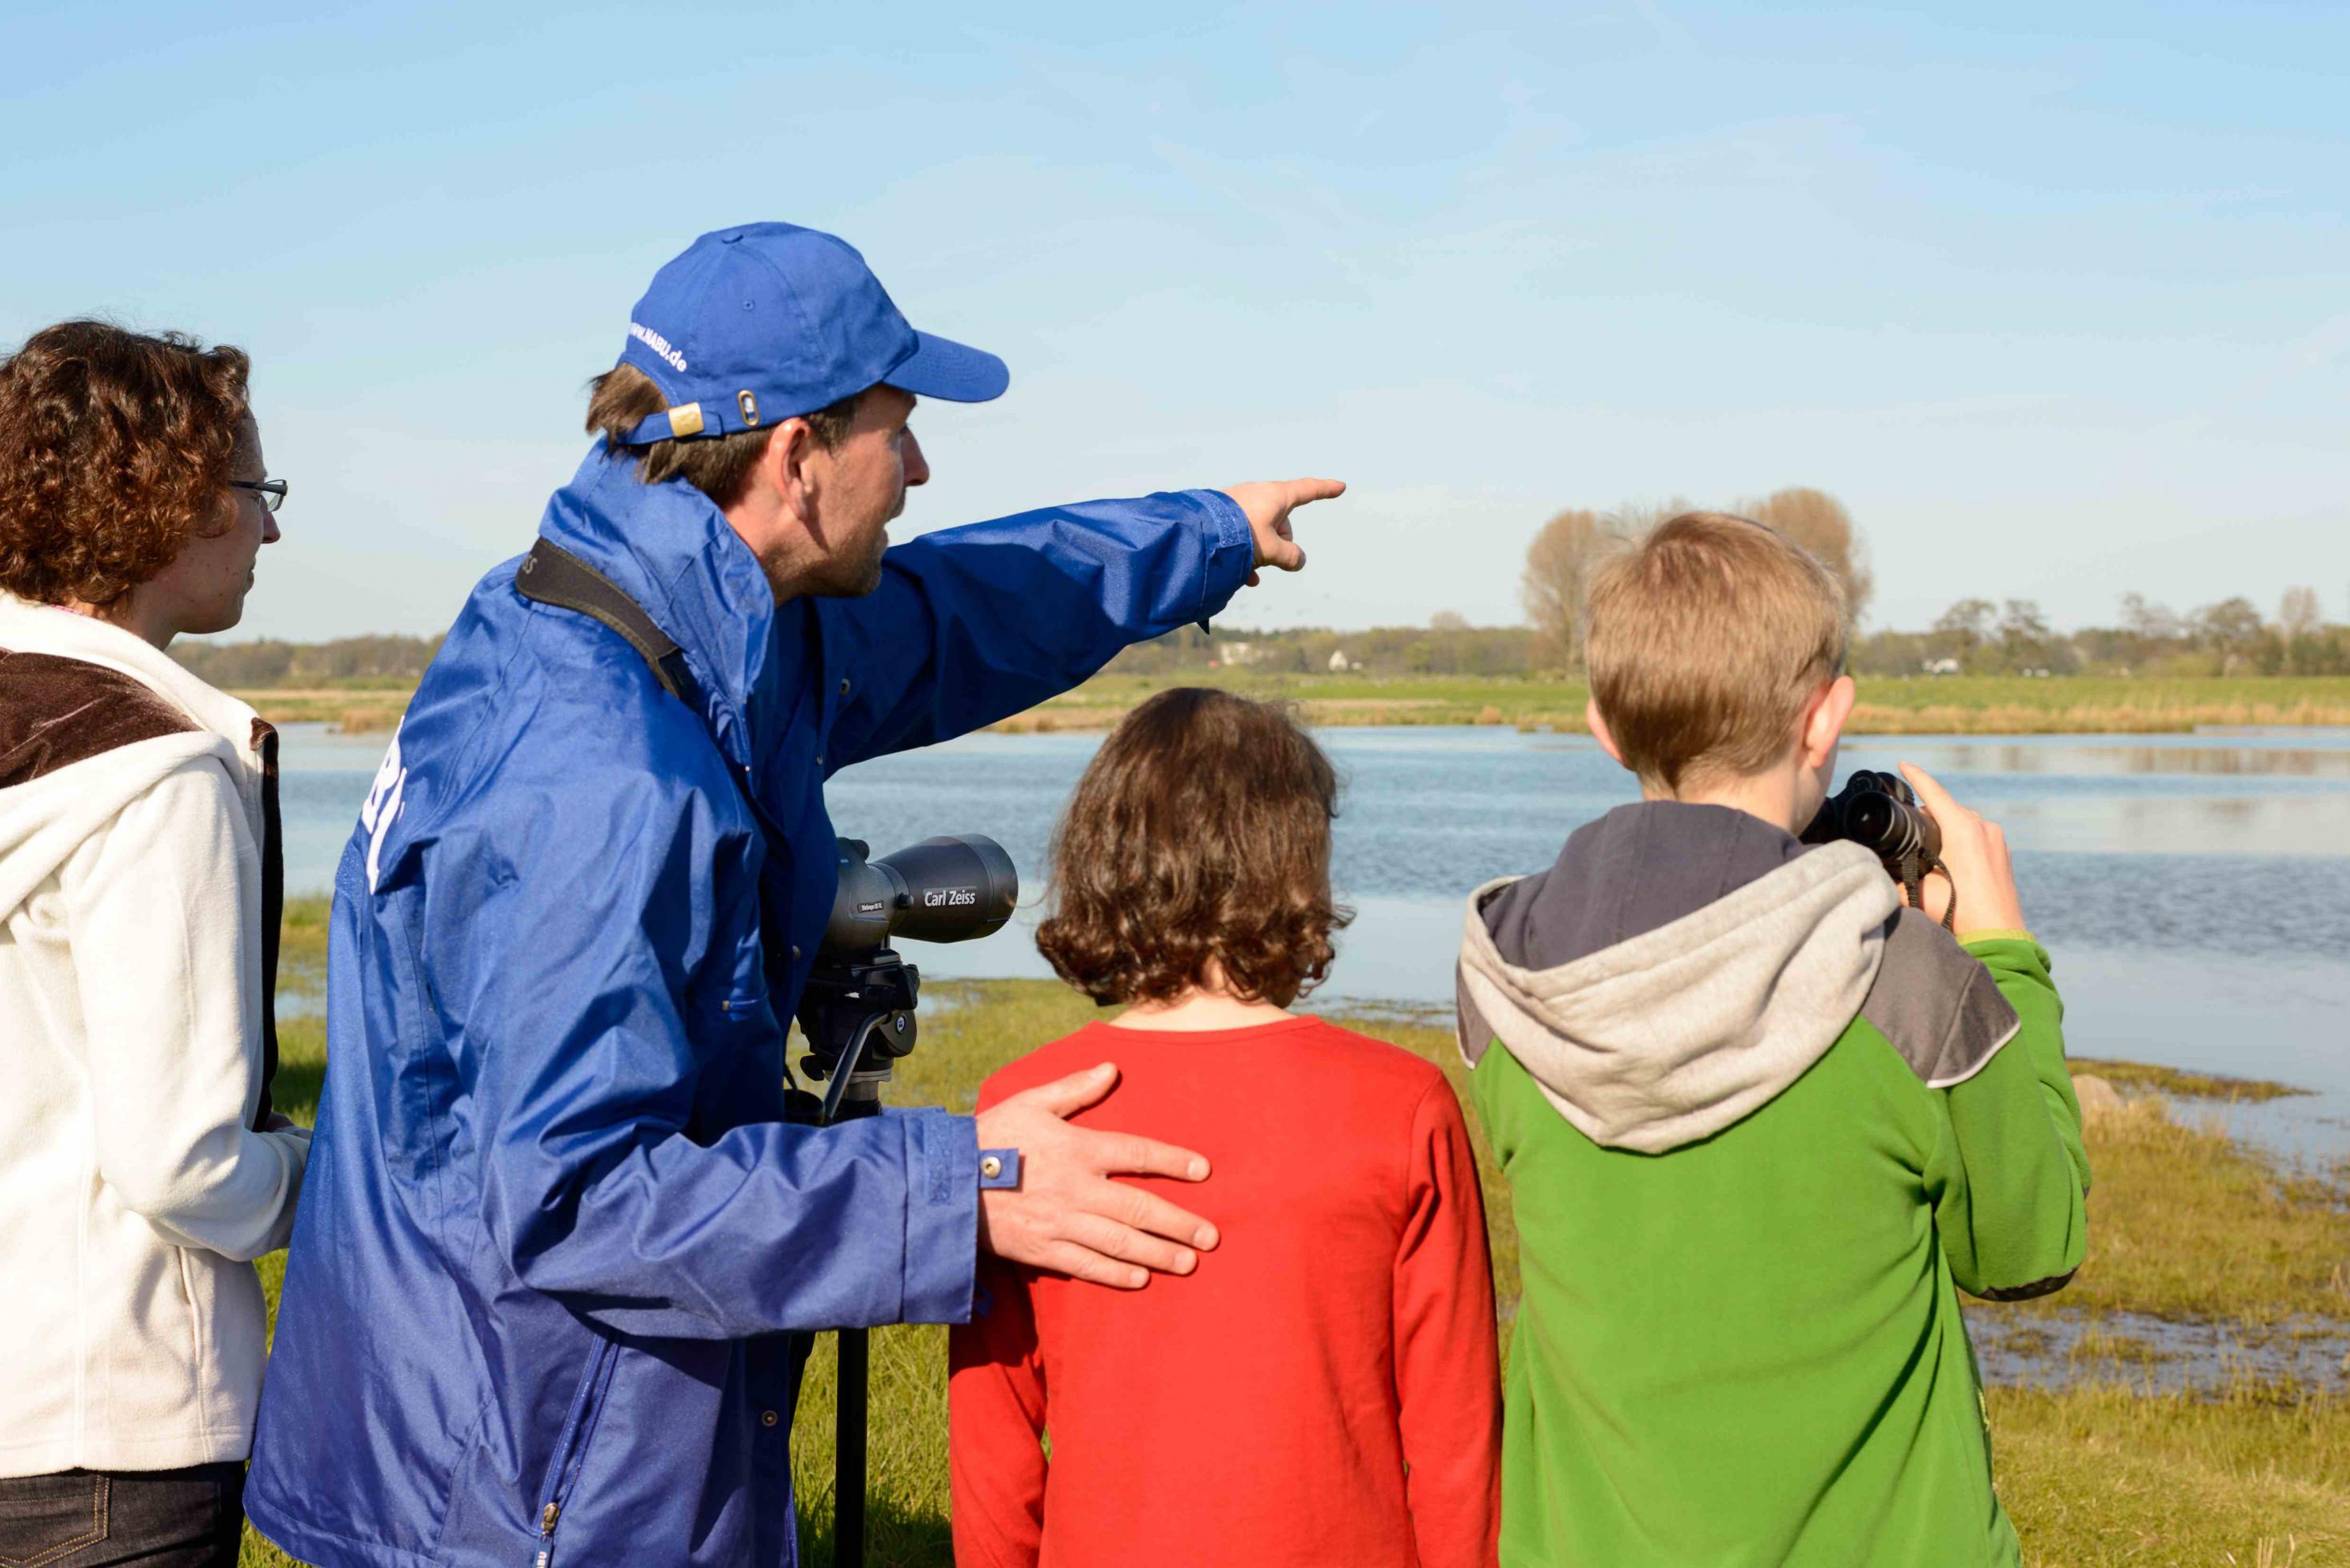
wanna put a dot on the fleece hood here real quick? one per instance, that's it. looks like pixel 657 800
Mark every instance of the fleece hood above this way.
pixel 1676 969
pixel 92 716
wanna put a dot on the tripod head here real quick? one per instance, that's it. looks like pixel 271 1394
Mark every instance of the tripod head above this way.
pixel 857 1011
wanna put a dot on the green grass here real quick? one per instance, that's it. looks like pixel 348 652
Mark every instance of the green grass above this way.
pixel 2185 1224
pixel 1889 705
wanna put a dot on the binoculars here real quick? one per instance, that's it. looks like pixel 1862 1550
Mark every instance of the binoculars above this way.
pixel 1880 813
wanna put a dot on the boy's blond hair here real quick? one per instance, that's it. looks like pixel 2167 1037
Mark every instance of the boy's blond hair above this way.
pixel 1704 640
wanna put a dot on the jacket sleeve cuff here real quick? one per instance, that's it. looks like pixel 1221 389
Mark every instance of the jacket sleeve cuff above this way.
pixel 1231 551
pixel 942 1216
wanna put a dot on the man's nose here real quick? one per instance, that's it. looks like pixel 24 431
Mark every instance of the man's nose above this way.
pixel 917 468
pixel 270 533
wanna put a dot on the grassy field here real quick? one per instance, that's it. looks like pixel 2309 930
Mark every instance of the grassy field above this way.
pixel 2098 1473
pixel 1971 705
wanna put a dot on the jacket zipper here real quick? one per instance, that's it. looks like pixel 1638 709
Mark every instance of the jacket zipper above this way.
pixel 571 1447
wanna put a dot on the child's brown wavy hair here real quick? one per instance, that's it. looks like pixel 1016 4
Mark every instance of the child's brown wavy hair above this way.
pixel 1201 830
pixel 116 448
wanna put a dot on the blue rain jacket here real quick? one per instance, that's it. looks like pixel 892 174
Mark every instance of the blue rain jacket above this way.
pixel 556 1240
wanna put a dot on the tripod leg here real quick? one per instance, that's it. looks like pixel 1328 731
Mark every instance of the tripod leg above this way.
pixel 849 1454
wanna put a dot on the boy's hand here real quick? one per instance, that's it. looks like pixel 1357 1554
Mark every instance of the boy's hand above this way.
pixel 1268 504
pixel 1976 853
pixel 1066 1215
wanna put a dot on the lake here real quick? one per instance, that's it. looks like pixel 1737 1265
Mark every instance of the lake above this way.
pixel 2194 889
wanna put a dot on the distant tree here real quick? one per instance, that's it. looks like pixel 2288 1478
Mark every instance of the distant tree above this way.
pixel 2155 623
pixel 1448 620
pixel 2299 614
pixel 1891 653
pixel 1820 524
pixel 2232 629
pixel 2230 623
pixel 1961 631
pixel 1634 518
pixel 2026 640
pixel 1557 562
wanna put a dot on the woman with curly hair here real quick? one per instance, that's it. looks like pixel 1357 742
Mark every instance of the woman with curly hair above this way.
pixel 141 1167
pixel 1323 1389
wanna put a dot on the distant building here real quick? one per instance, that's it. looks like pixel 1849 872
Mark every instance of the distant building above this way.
pixel 1238 653
pixel 1340 663
pixel 1942 667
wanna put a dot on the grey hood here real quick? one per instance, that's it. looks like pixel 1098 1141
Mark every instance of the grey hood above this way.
pixel 1678 968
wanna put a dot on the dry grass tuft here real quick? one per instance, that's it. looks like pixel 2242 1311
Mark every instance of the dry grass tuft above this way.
pixel 2180 1082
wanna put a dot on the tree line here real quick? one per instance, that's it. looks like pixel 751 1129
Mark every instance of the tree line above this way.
pixel 349 661
pixel 1976 637
pixel 1973 637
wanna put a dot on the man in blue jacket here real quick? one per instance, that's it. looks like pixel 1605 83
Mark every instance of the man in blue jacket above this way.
pixel 556 1235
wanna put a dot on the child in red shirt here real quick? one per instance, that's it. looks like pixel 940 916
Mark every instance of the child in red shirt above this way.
pixel 1323 1390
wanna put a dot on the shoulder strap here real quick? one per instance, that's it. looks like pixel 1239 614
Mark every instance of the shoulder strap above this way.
pixel 551 575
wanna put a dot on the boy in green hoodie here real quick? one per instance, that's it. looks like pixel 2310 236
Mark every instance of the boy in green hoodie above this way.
pixel 1761 1122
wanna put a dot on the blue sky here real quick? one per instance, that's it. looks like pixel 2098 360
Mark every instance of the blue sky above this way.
pixel 2057 298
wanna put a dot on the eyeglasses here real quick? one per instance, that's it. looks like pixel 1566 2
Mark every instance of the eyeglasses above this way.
pixel 271 490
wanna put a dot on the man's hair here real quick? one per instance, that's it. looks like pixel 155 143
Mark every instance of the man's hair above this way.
pixel 1201 830
pixel 116 448
pixel 1704 640
pixel 719 466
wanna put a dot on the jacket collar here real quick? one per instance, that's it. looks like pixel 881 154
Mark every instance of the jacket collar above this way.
pixel 29 627
pixel 669 548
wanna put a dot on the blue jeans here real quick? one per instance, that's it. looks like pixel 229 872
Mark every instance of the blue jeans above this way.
pixel 115 1519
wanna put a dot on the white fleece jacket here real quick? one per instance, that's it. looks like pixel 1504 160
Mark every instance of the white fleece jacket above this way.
pixel 133 1193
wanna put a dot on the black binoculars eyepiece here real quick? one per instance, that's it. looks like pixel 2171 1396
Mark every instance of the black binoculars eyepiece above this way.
pixel 1880 813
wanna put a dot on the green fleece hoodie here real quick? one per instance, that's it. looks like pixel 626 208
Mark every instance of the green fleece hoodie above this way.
pixel 1760 1123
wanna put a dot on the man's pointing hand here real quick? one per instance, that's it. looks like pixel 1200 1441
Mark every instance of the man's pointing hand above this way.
pixel 1066 1215
pixel 1269 503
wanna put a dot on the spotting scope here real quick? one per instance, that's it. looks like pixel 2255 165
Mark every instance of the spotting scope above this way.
pixel 950 888
pixel 857 1016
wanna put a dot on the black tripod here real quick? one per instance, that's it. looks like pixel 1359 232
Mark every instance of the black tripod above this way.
pixel 857 1015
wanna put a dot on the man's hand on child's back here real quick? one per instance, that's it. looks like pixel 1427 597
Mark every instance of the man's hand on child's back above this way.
pixel 1066 1215
pixel 1975 851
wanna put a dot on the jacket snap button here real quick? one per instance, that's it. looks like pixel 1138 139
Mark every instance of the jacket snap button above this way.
pixel 768 1417
pixel 991 1167
pixel 844 686
pixel 796 952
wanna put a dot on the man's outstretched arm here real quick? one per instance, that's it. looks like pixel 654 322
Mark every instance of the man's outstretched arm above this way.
pixel 972 625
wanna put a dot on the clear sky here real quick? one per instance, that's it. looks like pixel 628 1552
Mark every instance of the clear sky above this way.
pixel 2056 298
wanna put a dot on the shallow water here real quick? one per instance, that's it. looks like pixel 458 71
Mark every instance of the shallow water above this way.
pixel 2158 1356
pixel 2194 889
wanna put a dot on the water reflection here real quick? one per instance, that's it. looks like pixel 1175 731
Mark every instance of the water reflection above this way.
pixel 2203 759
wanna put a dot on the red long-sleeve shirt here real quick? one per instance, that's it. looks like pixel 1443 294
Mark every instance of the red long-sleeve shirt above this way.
pixel 1322 1390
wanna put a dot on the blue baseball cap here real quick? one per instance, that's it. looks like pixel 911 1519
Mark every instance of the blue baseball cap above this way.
pixel 753 325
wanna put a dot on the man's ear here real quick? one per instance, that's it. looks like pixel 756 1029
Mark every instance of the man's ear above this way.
pixel 783 467
pixel 1600 732
pixel 1824 721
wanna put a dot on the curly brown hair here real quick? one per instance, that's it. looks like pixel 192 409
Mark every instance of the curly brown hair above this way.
pixel 116 448
pixel 1201 830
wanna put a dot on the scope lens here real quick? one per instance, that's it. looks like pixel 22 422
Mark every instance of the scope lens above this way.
pixel 957 888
